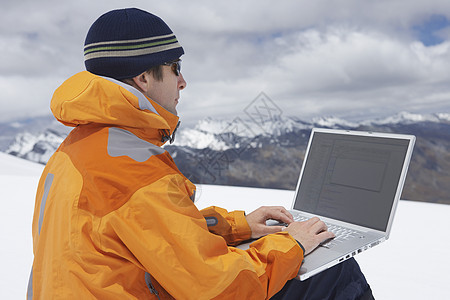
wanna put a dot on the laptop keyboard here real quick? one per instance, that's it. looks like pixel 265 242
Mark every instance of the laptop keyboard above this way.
pixel 342 234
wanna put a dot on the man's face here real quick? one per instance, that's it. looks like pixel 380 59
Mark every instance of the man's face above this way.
pixel 166 92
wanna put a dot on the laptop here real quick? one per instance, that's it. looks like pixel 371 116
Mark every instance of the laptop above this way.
pixel 351 180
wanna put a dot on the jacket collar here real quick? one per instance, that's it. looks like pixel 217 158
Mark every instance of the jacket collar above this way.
pixel 86 98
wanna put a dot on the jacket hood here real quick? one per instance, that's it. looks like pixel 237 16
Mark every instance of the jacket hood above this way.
pixel 86 98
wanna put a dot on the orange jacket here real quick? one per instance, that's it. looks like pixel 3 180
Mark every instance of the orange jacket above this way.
pixel 115 219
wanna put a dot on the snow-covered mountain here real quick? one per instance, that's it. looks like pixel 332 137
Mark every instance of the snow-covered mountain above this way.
pixel 226 134
pixel 34 126
pixel 404 118
pixel 209 132
pixel 269 153
pixel 35 139
pixel 36 147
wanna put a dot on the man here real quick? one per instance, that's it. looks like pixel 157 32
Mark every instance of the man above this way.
pixel 115 218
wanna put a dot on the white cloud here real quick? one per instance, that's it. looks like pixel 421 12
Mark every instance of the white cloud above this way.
pixel 26 96
pixel 340 70
pixel 346 58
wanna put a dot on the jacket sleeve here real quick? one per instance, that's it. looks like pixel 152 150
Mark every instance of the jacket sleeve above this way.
pixel 169 238
pixel 232 226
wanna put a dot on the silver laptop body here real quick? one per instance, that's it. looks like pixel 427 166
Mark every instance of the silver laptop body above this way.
pixel 350 179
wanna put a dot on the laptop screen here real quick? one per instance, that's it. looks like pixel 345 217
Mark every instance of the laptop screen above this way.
pixel 352 178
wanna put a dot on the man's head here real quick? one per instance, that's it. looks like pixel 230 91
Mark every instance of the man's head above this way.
pixel 137 47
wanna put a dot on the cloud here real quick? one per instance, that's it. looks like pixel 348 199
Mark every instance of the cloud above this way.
pixel 24 96
pixel 340 70
pixel 345 58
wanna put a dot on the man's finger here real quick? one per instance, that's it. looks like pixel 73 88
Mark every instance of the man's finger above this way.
pixel 289 216
pixel 312 221
pixel 280 213
pixel 319 226
pixel 325 235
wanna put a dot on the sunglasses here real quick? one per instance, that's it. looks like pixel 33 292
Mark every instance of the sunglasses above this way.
pixel 175 65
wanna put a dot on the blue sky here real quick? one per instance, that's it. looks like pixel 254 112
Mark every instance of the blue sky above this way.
pixel 346 58
pixel 429 31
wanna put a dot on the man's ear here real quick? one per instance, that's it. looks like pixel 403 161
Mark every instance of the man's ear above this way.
pixel 143 81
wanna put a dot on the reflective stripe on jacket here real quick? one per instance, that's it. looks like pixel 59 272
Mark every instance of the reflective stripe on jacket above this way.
pixel 115 219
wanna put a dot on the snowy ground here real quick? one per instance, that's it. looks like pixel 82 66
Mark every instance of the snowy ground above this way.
pixel 413 264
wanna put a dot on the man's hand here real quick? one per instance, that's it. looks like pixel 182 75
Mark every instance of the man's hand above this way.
pixel 309 233
pixel 257 220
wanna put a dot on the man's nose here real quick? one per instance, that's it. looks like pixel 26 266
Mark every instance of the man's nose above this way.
pixel 181 82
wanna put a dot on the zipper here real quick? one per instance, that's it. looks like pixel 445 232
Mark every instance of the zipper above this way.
pixel 150 286
pixel 165 134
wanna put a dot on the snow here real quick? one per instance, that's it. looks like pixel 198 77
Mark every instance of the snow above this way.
pixel 18 182
pixel 396 269
pixel 409 118
pixel 207 131
pixel 333 122
pixel 23 143
pixel 200 139
pixel 443 116
pixel 399 118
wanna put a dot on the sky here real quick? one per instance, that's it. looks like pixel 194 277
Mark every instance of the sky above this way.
pixel 351 59
pixel 396 269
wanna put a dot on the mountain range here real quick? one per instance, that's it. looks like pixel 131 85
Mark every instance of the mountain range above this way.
pixel 266 152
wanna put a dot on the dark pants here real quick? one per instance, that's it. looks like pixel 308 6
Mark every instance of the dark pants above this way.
pixel 344 281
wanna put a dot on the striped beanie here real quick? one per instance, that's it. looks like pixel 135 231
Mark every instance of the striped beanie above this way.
pixel 124 43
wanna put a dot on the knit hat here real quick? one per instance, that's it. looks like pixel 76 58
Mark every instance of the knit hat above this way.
pixel 124 43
